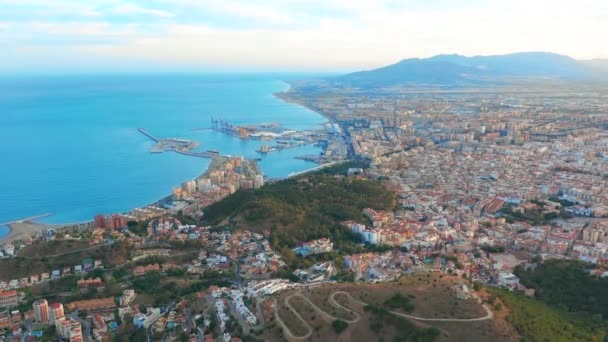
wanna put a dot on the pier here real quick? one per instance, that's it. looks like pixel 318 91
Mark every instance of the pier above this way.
pixel 26 219
pixel 146 133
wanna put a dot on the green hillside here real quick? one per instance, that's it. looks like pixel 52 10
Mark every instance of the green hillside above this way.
pixel 302 208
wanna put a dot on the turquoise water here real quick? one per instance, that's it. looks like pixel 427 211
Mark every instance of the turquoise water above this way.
pixel 70 145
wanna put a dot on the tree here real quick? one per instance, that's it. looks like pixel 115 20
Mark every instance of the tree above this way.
pixel 339 326
pixel 476 286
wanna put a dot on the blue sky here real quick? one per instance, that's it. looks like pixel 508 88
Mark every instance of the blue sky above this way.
pixel 320 35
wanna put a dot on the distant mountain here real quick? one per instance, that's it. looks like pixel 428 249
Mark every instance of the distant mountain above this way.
pixel 456 70
pixel 597 65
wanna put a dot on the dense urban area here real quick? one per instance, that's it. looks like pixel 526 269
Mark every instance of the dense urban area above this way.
pixel 435 213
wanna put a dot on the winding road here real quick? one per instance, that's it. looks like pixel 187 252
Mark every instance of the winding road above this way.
pixel 332 301
pixel 489 313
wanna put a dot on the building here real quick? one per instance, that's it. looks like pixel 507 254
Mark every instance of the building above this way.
pixel 319 246
pixel 55 312
pixel 258 181
pixel 127 297
pixel 507 279
pixel 139 270
pixel 69 329
pixel 141 320
pixel 8 298
pixel 100 221
pixel 116 221
pixel 5 320
pixel 41 310
pixel 138 320
pixel 99 324
pixel 90 283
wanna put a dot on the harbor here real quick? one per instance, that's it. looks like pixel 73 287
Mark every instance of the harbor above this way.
pixel 330 139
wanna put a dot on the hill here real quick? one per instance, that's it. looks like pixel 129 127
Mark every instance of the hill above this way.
pixel 381 312
pixel 49 255
pixel 303 208
pixel 570 304
pixel 457 70
pixel 537 321
pixel 567 285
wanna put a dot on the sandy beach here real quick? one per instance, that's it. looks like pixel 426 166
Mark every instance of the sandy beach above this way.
pixel 21 230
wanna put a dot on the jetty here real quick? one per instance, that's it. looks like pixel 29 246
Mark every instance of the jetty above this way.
pixel 146 133
pixel 29 219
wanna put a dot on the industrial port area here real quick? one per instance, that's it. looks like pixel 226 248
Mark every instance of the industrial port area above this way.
pixel 330 139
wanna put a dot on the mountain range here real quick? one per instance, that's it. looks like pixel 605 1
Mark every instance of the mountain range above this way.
pixel 458 70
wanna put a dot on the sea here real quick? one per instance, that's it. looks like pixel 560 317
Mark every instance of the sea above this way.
pixel 69 145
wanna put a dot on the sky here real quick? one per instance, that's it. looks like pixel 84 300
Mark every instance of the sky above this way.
pixel 60 36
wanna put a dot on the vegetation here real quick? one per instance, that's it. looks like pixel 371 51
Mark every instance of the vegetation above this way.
pixel 398 301
pixel 567 285
pixel 563 202
pixel 339 326
pixel 138 227
pixel 492 249
pixel 302 209
pixel 537 321
pixel 35 262
pixel 151 283
pixel 128 332
pixel 406 330
pixel 533 217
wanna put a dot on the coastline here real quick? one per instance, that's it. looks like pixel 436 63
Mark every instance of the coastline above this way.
pixel 20 229
pixel 285 97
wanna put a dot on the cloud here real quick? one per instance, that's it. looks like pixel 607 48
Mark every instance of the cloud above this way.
pixel 132 9
pixel 312 34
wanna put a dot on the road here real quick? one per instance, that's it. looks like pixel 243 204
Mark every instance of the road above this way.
pixel 284 326
pixel 489 313
pixel 239 278
pixel 334 303
pixel 70 252
pixel 328 317
pixel 149 329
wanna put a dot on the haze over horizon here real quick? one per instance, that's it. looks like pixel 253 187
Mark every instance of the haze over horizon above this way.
pixel 65 36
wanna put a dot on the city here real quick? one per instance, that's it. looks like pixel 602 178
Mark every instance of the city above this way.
pixel 303 171
pixel 495 183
